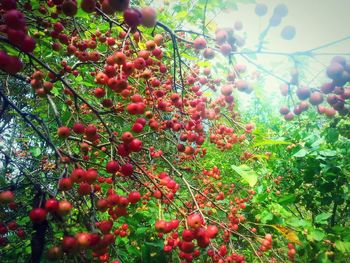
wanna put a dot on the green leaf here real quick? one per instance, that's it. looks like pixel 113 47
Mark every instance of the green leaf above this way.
pixel 204 63
pixel 155 244
pixel 323 258
pixel 265 217
pixel 321 218
pixel 260 197
pixel 141 230
pixel 328 153
pixel 55 91
pixel 247 174
pixel 317 143
pixel 35 151
pixel 342 246
pixel 343 232
pixel 301 153
pixel 88 84
pixel 189 57
pixel 286 199
pixel 295 222
pixel 132 250
pixel 316 235
pixel 279 210
pixel 181 15
pixel 270 142
pixel 332 135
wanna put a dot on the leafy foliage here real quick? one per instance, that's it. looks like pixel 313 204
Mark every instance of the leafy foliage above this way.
pixel 123 140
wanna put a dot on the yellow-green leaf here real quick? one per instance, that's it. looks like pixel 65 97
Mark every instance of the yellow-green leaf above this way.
pixel 247 174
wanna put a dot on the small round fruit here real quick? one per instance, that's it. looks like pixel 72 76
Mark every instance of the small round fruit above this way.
pixel 88 5
pixel 303 93
pixel 132 17
pixel 64 207
pixel 195 220
pixel 54 253
pixel 199 43
pixel 280 10
pixel 149 17
pixel 69 7
pixel 69 244
pixel 226 90
pixel 212 231
pixel 288 32
pixel 112 167
pixel 37 215
pixel 134 197
pixel 51 205
pixel 135 145
pixel 137 127
pixel 284 110
pixel 260 9
pixel 127 169
pixel 160 226
pixel 316 98
pixel 6 197
pixel 63 132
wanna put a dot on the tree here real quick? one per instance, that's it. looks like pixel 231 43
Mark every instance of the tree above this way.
pixel 121 144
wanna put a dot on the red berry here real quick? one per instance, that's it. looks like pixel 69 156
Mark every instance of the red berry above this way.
pixel 134 197
pixel 199 43
pixel 149 17
pixel 119 5
pixel 69 244
pixel 37 215
pixel 91 176
pixel 78 175
pixel 135 145
pixel 51 205
pixel 127 169
pixel 14 19
pixel 78 128
pixel 187 235
pixel 20 233
pixel 65 184
pixel 63 132
pixel 137 127
pixel 15 36
pixel 99 92
pixel 6 197
pixel 8 4
pixel 142 121
pixel 127 137
pixel 69 7
pixel 195 220
pixel 64 207
pixel 132 17
pixel 112 167
pixel 212 231
pixel 105 226
pixel 88 5
pixel 90 130
pixel 10 64
pixel 160 226
pixel 84 189
pixel 12 225
pixel 28 44
pixel 187 247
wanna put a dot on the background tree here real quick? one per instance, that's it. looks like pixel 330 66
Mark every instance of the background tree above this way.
pixel 122 140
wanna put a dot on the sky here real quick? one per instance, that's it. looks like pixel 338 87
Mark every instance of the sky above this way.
pixel 317 22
